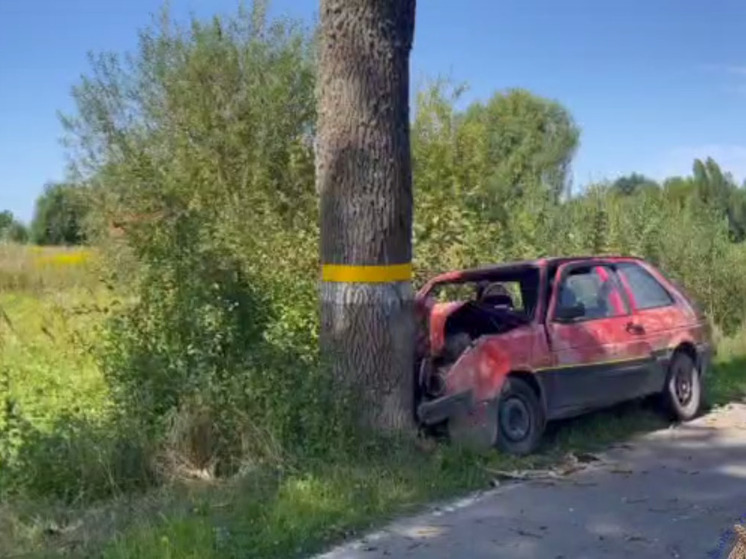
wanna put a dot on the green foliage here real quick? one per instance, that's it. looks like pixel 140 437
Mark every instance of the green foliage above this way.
pixel 202 144
pixel 74 460
pixel 716 190
pixel 6 218
pixel 486 178
pixel 527 142
pixel 477 201
pixel 11 229
pixel 59 218
pixel 17 232
pixel 633 183
pixel 57 437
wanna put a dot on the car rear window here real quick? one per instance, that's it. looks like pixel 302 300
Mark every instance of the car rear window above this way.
pixel 646 290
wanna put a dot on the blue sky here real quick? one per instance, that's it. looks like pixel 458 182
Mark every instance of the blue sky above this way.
pixel 652 83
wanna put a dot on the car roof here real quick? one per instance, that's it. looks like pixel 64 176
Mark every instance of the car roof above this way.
pixel 484 272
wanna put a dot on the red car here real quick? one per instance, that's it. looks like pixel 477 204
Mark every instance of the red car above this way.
pixel 504 349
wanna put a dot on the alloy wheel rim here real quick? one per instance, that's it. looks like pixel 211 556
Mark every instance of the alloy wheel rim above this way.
pixel 684 384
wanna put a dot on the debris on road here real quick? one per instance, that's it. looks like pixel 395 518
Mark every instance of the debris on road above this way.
pixel 570 464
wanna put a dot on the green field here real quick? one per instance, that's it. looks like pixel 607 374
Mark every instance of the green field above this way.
pixel 63 466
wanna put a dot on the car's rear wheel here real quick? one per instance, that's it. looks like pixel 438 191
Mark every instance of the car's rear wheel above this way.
pixel 682 394
pixel 520 418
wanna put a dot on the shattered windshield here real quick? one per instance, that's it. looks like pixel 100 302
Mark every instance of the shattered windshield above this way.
pixel 516 291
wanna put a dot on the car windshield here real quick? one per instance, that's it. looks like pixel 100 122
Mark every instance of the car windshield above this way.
pixel 515 290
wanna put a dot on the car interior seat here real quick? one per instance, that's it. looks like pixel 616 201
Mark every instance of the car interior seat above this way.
pixel 496 296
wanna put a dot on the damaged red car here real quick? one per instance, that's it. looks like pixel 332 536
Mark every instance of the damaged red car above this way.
pixel 503 350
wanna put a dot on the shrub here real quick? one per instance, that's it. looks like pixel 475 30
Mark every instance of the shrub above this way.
pixel 74 460
pixel 215 353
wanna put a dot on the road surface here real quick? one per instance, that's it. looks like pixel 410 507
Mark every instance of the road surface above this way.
pixel 672 493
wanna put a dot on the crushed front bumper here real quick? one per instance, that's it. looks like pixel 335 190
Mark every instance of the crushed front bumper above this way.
pixel 440 409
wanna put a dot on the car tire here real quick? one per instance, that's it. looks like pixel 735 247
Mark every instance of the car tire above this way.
pixel 682 394
pixel 520 418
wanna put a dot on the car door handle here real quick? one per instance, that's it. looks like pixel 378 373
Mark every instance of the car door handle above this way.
pixel 634 328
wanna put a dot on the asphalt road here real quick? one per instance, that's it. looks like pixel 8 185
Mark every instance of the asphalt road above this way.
pixel 673 493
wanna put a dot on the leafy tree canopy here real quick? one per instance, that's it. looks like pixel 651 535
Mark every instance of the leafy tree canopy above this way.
pixel 60 215
pixel 635 182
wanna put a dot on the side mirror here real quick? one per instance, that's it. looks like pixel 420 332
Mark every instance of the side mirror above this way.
pixel 569 314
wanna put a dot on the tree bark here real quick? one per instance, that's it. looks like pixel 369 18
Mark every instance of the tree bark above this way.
pixel 364 178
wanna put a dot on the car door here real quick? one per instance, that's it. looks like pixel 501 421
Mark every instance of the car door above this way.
pixel 656 316
pixel 597 357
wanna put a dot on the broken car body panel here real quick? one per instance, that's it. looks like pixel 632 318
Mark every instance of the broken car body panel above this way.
pixel 483 367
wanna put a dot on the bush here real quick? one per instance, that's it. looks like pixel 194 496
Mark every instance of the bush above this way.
pixel 215 354
pixel 76 460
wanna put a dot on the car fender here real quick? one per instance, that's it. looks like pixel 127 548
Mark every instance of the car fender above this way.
pixel 484 366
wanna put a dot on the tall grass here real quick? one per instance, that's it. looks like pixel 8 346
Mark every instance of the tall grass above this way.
pixel 36 269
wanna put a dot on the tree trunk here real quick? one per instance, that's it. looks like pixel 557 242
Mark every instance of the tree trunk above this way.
pixel 364 178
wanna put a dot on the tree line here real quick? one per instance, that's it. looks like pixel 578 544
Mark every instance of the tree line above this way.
pixel 59 218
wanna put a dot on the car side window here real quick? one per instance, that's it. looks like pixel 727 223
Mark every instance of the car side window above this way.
pixel 587 294
pixel 647 291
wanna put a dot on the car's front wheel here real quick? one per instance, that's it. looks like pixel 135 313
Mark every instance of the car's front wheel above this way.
pixel 520 418
pixel 683 392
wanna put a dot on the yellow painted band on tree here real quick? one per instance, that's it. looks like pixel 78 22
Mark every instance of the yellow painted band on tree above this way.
pixel 366 274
